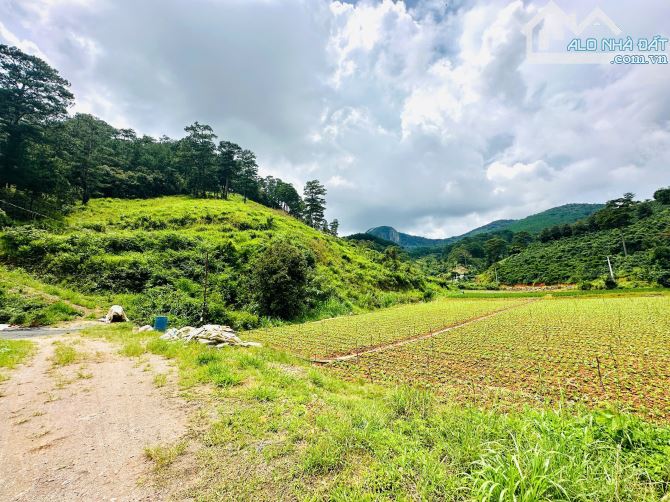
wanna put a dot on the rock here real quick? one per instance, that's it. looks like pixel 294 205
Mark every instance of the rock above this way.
pixel 145 328
pixel 116 314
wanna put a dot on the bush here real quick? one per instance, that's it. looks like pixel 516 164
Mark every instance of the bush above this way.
pixel 280 277
pixel 610 283
pixel 177 305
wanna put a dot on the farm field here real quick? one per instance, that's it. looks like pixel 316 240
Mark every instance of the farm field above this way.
pixel 591 350
pixel 351 334
pixel 588 350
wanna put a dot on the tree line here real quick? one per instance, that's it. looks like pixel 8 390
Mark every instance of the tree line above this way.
pixel 50 157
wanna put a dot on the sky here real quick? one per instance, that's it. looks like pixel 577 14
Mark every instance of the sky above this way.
pixel 424 115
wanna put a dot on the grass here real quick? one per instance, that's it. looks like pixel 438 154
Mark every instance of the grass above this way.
pixel 163 456
pixel 65 354
pixel 14 352
pixel 132 348
pixel 160 380
pixel 279 429
pixel 17 278
pixel 30 310
pixel 147 255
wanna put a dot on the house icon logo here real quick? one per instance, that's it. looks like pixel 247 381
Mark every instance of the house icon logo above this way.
pixel 551 29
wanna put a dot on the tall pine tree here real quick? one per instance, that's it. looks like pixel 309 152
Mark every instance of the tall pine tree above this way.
pixel 314 199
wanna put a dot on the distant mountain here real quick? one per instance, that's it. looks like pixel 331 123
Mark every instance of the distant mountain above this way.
pixel 568 213
pixel 387 233
pixel 405 240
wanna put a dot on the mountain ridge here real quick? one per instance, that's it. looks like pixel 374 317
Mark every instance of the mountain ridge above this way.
pixel 534 223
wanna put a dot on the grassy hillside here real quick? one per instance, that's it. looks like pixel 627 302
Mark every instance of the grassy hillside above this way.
pixel 150 255
pixel 568 213
pixel 584 257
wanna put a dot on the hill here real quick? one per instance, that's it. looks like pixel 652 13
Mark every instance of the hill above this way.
pixel 584 257
pixel 568 213
pixel 150 254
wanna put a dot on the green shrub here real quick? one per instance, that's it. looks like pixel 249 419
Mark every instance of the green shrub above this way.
pixel 280 277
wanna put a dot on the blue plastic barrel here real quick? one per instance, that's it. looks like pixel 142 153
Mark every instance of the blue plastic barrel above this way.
pixel 161 323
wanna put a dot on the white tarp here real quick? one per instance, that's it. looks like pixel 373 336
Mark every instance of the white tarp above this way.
pixel 209 334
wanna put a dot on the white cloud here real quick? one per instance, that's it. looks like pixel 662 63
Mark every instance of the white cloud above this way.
pixel 499 171
pixel 422 116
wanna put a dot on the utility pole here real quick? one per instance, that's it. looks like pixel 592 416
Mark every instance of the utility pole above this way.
pixel 495 269
pixel 204 290
pixel 623 241
pixel 609 264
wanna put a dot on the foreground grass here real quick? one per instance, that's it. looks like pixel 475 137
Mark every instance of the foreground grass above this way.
pixel 65 354
pixel 273 428
pixel 12 353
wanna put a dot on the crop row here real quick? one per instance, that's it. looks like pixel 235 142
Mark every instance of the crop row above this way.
pixel 349 334
pixel 587 350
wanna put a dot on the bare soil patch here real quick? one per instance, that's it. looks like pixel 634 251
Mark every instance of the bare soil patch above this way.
pixel 78 432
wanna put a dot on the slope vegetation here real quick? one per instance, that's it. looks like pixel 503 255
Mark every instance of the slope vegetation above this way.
pixel 568 213
pixel 150 255
pixel 584 257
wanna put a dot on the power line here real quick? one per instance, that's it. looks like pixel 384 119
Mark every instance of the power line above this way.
pixel 28 210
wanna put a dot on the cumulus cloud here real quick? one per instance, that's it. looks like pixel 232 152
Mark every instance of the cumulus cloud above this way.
pixel 421 114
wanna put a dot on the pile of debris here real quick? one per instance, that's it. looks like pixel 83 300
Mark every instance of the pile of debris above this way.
pixel 209 334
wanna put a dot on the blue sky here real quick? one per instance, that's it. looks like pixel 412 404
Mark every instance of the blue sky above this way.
pixel 423 115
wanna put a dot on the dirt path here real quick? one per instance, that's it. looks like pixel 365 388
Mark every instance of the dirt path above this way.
pixel 17 333
pixel 78 432
pixel 405 341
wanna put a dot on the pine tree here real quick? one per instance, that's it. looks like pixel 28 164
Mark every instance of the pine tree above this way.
pixel 247 175
pixel 197 158
pixel 334 227
pixel 227 165
pixel 314 199
pixel 32 94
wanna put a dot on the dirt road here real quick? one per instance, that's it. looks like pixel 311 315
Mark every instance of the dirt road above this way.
pixel 78 432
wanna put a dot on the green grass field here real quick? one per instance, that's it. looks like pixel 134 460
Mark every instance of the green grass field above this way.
pixel 149 255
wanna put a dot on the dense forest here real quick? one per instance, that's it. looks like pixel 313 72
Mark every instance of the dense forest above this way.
pixel 49 160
